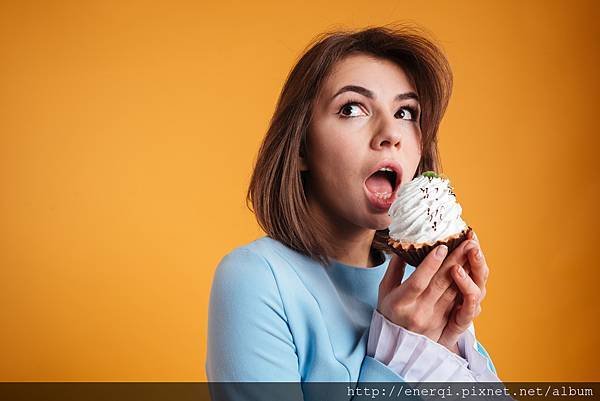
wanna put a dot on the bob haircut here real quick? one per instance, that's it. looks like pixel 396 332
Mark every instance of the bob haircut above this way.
pixel 277 187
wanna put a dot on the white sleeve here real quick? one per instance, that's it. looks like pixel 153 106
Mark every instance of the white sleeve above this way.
pixel 479 365
pixel 417 358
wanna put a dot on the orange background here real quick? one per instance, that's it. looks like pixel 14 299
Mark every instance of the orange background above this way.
pixel 128 131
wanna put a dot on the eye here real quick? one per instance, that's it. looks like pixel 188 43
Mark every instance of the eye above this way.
pixel 407 113
pixel 346 111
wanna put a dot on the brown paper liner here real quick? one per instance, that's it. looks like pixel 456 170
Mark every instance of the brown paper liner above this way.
pixel 414 255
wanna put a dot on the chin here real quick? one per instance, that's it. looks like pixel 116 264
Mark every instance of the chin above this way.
pixel 380 223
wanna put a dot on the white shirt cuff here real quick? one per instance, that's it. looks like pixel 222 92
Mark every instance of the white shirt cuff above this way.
pixel 417 358
pixel 478 363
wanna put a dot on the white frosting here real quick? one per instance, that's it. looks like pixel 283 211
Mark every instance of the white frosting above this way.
pixel 425 211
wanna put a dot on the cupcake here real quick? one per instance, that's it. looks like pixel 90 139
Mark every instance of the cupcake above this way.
pixel 425 215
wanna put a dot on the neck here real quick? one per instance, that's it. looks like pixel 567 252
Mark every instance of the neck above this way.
pixel 355 250
pixel 351 244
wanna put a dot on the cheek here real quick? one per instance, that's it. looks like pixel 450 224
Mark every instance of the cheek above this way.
pixel 334 149
pixel 322 139
pixel 337 171
pixel 412 155
pixel 413 139
pixel 336 175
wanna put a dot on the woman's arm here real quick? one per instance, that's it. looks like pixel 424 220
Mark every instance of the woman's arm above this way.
pixel 248 335
pixel 249 338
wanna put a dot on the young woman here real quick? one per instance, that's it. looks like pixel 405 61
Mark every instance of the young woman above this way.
pixel 320 298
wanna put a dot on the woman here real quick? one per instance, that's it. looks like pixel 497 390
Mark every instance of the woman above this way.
pixel 320 298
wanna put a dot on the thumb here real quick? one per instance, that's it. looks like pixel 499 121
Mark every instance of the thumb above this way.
pixel 393 276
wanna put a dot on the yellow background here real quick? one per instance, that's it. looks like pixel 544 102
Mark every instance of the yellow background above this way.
pixel 128 131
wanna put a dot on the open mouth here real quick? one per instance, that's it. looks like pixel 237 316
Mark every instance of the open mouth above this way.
pixel 382 183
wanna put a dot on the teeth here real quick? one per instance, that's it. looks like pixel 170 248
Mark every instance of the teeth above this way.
pixel 383 195
pixel 385 169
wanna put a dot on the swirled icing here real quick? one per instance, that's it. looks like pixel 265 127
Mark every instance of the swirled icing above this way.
pixel 425 211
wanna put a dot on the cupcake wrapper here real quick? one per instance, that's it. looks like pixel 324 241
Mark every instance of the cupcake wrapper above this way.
pixel 415 255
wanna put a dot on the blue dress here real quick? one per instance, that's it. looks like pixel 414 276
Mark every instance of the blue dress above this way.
pixel 276 315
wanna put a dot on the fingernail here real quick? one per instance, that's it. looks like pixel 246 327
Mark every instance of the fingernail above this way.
pixel 441 251
pixel 478 254
pixel 461 272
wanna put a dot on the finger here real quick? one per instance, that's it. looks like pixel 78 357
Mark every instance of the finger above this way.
pixel 479 268
pixel 467 269
pixel 420 279
pixel 450 334
pixel 466 313
pixel 459 255
pixel 440 288
pixel 470 293
pixel 472 235
pixel 447 300
pixel 393 276
pixel 442 279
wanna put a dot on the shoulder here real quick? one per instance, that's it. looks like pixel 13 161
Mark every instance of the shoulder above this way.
pixel 263 255
pixel 257 270
pixel 243 266
pixel 247 320
pixel 242 258
pixel 255 259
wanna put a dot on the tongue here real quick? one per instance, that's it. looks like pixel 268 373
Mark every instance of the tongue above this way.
pixel 378 182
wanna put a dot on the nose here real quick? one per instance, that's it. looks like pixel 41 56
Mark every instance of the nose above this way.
pixel 387 134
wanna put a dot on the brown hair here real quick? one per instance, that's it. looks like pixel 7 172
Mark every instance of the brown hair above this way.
pixel 277 187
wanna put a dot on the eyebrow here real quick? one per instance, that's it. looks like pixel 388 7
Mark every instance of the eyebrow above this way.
pixel 367 93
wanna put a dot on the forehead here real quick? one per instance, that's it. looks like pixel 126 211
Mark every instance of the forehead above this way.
pixel 376 74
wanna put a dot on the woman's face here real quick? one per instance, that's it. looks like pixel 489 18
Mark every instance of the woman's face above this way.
pixel 366 117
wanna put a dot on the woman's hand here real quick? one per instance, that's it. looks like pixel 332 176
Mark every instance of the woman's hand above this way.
pixel 422 303
pixel 472 290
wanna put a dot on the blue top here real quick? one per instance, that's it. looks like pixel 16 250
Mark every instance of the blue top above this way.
pixel 278 315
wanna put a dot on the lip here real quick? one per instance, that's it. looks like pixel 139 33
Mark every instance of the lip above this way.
pixel 384 204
